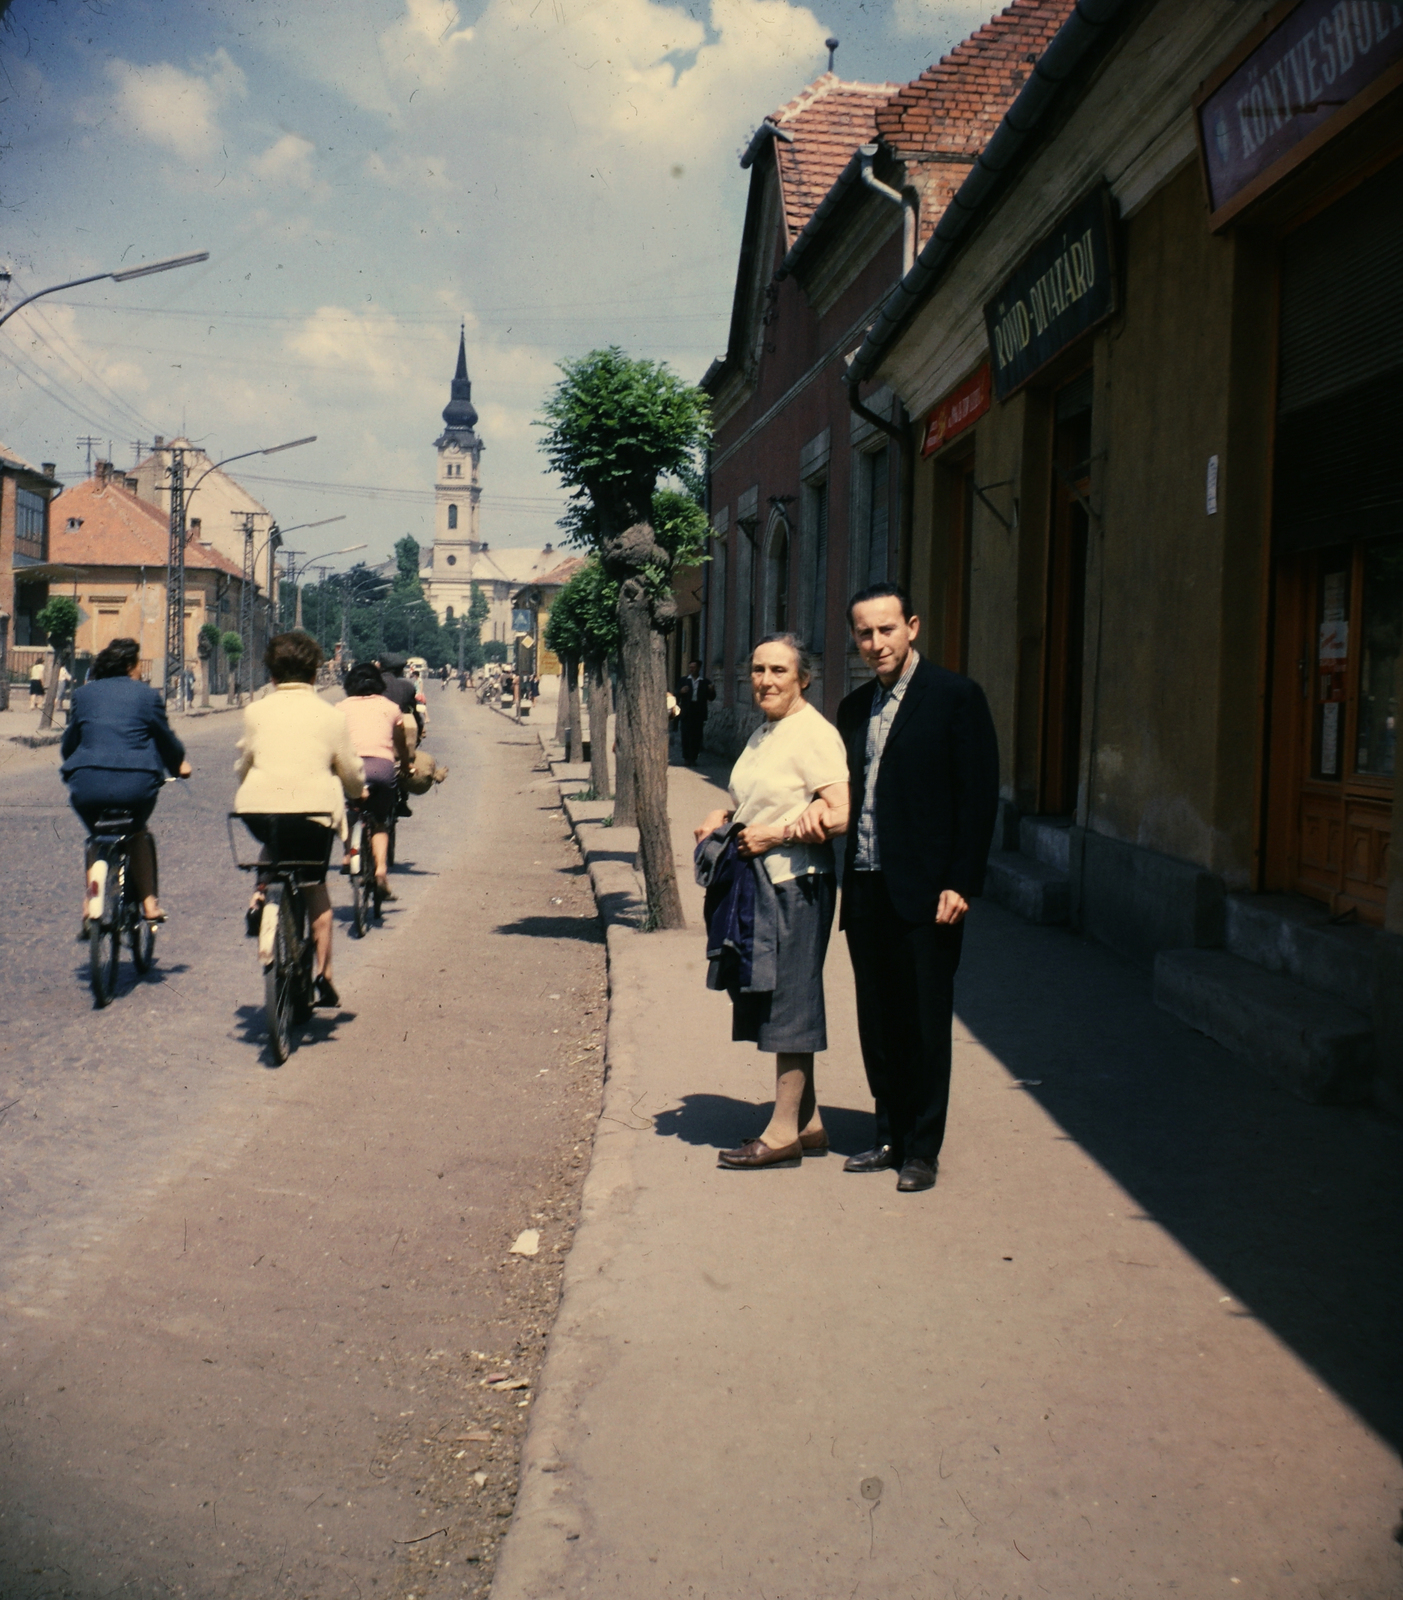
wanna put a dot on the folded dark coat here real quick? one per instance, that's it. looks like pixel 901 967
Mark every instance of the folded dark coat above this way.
pixel 742 920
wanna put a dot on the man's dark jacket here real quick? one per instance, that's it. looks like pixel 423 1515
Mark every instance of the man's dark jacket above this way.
pixel 695 708
pixel 119 724
pixel 937 788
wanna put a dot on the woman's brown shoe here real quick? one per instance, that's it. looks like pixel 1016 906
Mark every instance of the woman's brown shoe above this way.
pixel 756 1153
pixel 815 1143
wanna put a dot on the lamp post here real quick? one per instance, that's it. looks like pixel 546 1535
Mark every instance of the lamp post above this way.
pixel 174 666
pixel 296 570
pixel 144 271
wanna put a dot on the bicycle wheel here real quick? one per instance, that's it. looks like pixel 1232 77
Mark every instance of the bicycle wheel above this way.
pixel 104 943
pixel 303 996
pixel 279 983
pixel 360 894
pixel 143 936
pixel 390 844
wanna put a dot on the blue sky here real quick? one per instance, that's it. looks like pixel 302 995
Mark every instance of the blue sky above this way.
pixel 364 174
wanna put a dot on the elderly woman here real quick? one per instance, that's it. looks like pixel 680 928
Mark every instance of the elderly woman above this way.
pixel 789 797
pixel 296 756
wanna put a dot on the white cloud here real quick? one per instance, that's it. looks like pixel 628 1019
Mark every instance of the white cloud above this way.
pixel 288 160
pixel 173 108
pixel 941 20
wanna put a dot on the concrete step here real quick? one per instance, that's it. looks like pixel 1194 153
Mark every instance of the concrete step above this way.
pixel 1294 936
pixel 1047 839
pixel 1321 1049
pixel 1035 891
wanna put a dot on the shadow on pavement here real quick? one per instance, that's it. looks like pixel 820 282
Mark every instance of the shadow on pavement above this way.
pixel 1296 1209
pixel 586 928
pixel 721 1121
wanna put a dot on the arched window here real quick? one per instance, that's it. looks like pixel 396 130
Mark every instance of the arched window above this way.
pixel 450 614
pixel 775 575
pixel 452 516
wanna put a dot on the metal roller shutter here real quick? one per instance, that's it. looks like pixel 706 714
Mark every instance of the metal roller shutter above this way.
pixel 1339 434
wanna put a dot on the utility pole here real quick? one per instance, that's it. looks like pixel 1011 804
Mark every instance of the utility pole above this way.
pixel 89 441
pixel 246 593
pixel 175 585
pixel 291 575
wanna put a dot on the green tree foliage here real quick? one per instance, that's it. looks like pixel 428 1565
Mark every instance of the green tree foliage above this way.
pixel 614 427
pixel 584 620
pixel 232 646
pixel 59 619
pixel 377 615
pixel 495 650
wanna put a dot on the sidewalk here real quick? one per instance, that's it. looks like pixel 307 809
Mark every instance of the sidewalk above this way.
pixel 1141 1339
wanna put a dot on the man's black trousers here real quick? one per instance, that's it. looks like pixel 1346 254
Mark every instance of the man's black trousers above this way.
pixel 905 978
pixel 693 727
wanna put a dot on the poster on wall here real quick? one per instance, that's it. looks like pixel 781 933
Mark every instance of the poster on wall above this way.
pixel 1060 290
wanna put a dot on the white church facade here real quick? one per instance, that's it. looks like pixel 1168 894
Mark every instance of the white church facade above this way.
pixel 459 556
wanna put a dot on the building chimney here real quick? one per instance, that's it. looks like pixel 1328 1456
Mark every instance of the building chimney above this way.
pixel 102 471
pixel 47 468
pixel 131 484
pixel 158 443
pixel 194 534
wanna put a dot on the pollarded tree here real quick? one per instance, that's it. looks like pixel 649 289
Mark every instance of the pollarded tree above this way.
pixel 59 619
pixel 614 427
pixel 584 624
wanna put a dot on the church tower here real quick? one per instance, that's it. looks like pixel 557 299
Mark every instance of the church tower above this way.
pixel 447 578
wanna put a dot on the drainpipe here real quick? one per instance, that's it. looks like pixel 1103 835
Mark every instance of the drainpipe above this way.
pixel 907 202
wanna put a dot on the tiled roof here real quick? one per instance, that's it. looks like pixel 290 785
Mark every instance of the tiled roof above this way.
pixel 828 120
pixel 117 530
pixel 564 572
pixel 954 107
pixel 14 460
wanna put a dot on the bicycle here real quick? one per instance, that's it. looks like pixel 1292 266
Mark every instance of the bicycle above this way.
pixel 285 928
pixel 114 912
pixel 365 896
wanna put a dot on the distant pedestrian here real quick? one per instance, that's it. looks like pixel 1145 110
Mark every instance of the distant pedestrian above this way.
pixel 36 686
pixel 694 694
pixel 924 768
pixel 769 867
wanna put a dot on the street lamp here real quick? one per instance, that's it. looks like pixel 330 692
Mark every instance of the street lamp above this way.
pixel 143 271
pixel 174 669
pixel 295 575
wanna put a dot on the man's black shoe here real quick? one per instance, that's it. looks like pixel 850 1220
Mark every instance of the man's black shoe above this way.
pixel 915 1175
pixel 881 1159
pixel 402 808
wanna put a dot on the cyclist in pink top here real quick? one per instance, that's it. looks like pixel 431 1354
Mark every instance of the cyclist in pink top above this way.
pixel 377 734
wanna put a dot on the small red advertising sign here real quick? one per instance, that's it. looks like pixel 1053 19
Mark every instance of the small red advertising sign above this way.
pixel 959 409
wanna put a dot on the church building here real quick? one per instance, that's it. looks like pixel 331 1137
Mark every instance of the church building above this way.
pixel 447 576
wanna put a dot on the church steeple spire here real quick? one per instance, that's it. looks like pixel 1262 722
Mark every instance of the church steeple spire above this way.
pixel 460 412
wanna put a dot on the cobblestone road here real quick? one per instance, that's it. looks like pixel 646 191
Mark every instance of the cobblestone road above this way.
pixel 247 1316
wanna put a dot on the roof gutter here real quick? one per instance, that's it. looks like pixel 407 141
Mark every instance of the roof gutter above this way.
pixel 1072 45
pixel 758 138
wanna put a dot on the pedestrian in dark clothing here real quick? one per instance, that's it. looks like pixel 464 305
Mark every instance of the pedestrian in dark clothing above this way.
pixel 117 749
pixel 924 771
pixel 694 694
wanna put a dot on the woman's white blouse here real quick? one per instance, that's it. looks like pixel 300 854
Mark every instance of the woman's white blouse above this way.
pixel 783 766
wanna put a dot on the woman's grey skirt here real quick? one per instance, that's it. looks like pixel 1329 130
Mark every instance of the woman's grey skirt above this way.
pixel 791 1017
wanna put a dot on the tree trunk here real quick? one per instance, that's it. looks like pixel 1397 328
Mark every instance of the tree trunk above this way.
pixel 46 719
pixel 574 733
pixel 206 662
pixel 645 700
pixel 598 728
pixel 625 791
pixel 562 706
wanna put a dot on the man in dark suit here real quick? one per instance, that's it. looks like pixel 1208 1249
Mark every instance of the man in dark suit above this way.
pixel 924 769
pixel 694 694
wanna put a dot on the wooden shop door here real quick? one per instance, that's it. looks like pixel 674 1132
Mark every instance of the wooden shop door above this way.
pixel 1340 615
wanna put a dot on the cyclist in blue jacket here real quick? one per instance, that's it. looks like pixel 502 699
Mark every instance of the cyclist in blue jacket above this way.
pixel 117 749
